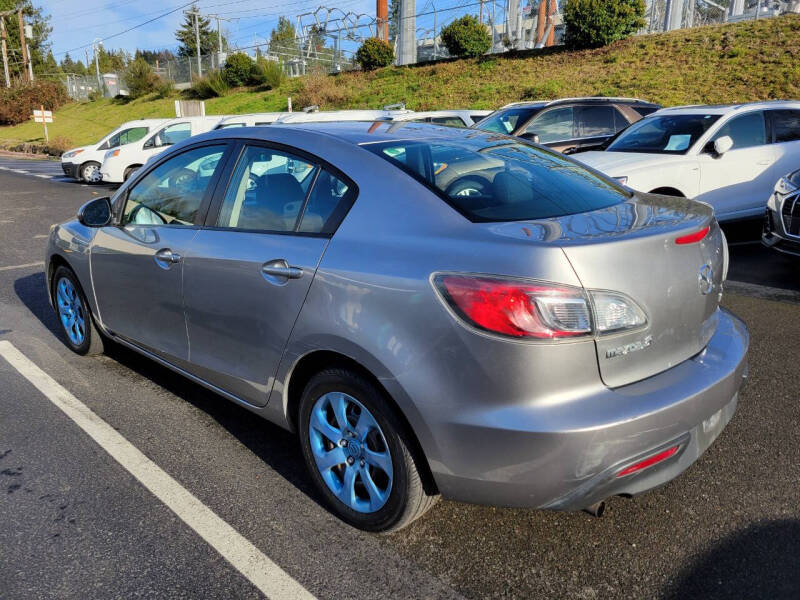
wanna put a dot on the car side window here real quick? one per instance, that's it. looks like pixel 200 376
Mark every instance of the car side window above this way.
pixel 595 121
pixel 448 121
pixel 746 131
pixel 786 124
pixel 267 191
pixel 553 125
pixel 330 199
pixel 170 135
pixel 172 193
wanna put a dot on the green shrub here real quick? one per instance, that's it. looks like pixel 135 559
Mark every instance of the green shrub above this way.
pixel 95 95
pixel 163 88
pixel 18 102
pixel 374 53
pixel 466 37
pixel 595 23
pixel 140 78
pixel 238 69
pixel 212 85
pixel 267 73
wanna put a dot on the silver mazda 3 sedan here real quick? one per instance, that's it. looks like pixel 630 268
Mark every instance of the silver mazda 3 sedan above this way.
pixel 434 311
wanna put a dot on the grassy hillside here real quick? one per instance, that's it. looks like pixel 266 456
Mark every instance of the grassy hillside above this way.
pixel 728 63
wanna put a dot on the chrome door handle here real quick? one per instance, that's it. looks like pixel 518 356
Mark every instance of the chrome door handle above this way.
pixel 167 256
pixel 278 271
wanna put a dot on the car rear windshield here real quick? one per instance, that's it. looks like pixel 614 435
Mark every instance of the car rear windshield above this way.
pixel 507 121
pixel 666 134
pixel 502 180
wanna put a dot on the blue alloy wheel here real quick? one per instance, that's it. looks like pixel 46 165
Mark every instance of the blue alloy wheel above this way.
pixel 70 310
pixel 351 452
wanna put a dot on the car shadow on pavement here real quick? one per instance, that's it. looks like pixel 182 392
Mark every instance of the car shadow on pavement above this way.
pixel 761 561
pixel 274 445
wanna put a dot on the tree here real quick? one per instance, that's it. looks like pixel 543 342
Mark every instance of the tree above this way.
pixel 140 78
pixel 48 66
pixel 187 39
pixel 109 61
pixel 595 23
pixel 394 20
pixel 70 66
pixel 374 53
pixel 283 38
pixel 39 43
pixel 466 37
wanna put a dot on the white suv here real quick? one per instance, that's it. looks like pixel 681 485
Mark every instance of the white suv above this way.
pixel 726 156
pixel 84 162
pixel 120 163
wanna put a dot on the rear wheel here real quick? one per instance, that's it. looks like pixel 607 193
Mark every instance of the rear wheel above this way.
pixel 81 335
pixel 358 454
pixel 90 172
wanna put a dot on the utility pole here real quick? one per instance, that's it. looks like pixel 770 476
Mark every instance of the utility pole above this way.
pixel 3 43
pixel 25 57
pixel 97 43
pixel 196 14
pixel 382 14
pixel 219 38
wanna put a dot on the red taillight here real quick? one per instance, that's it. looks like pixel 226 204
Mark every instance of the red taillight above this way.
pixel 693 237
pixel 649 462
pixel 517 309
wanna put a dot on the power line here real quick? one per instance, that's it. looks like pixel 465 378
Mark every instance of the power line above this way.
pixel 109 37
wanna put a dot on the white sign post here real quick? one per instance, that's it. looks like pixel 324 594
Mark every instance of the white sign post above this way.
pixel 43 116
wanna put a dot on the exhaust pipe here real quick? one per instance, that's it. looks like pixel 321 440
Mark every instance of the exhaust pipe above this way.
pixel 597 509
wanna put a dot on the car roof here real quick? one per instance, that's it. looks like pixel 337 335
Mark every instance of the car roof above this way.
pixel 587 99
pixel 245 117
pixel 136 122
pixel 721 109
pixel 365 132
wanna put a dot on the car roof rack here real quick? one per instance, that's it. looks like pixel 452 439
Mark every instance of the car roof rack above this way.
pixel 573 99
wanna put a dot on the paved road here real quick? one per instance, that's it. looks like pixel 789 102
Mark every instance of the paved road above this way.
pixel 75 524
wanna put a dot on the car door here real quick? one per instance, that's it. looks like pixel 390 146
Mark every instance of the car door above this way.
pixel 137 262
pixel 594 124
pixel 737 184
pixel 785 125
pixel 247 273
pixel 555 127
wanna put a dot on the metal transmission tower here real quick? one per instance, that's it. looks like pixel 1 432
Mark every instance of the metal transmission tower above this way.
pixel 342 26
pixel 674 14
pixel 407 43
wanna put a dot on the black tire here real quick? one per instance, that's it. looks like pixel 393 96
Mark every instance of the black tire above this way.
pixel 407 499
pixel 130 171
pixel 93 340
pixel 85 174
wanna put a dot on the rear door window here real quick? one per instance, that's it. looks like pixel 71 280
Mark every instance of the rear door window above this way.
pixel 786 125
pixel 506 121
pixel 596 121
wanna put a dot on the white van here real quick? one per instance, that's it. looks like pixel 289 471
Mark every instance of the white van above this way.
pixel 83 163
pixel 119 163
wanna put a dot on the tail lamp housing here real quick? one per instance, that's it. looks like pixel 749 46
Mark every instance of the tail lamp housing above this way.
pixel 533 310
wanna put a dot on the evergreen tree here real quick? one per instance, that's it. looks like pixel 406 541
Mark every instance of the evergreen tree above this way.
pixel 188 41
pixel 283 38
pixel 48 66
pixel 394 20
pixel 39 43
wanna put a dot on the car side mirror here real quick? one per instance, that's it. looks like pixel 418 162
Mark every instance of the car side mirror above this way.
pixel 96 212
pixel 723 145
pixel 531 137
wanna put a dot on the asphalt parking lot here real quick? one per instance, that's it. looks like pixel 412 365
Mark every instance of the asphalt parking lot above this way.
pixel 75 524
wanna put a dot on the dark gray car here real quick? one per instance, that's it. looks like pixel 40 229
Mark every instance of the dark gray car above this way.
pixel 526 333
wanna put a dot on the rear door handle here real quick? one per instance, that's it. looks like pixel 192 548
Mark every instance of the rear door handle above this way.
pixel 279 271
pixel 166 257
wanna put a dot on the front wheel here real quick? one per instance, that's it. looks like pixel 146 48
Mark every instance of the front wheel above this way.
pixel 82 336
pixel 358 453
pixel 90 172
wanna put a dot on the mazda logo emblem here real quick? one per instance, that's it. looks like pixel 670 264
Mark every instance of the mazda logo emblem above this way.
pixel 705 279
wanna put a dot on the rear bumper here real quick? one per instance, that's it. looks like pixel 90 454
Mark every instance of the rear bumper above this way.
pixel 533 458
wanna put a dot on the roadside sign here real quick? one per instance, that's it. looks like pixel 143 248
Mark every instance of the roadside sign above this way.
pixel 43 116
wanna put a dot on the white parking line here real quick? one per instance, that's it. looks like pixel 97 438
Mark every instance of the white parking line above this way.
pixel 25 266
pixel 235 548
